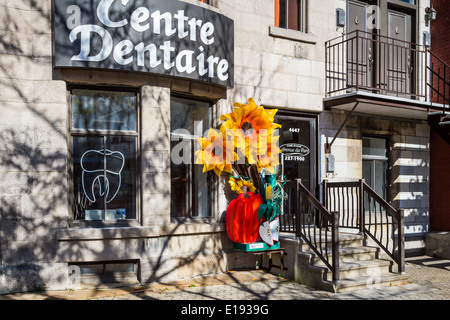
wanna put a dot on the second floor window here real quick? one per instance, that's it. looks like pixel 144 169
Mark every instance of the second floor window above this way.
pixel 291 14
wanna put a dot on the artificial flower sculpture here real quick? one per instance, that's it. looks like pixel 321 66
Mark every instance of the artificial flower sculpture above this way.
pixel 208 157
pixel 249 130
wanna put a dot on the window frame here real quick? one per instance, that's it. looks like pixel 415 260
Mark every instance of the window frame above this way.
pixel 73 132
pixel 302 14
pixel 211 181
pixel 373 158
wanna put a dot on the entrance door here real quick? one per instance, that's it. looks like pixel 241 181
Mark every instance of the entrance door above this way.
pixel 400 57
pixel 359 46
pixel 298 139
pixel 298 144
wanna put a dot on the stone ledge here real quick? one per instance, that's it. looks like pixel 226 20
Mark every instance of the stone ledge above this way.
pixel 175 229
pixel 88 233
pixel 292 35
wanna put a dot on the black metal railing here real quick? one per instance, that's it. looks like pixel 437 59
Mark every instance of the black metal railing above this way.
pixel 343 197
pixel 363 61
pixel 439 81
pixel 305 216
pixel 360 207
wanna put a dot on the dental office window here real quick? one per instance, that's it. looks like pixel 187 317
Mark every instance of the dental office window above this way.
pixel 189 184
pixel 104 138
pixel 291 14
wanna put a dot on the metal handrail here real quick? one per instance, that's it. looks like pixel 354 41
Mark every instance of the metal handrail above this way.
pixel 365 61
pixel 369 213
pixel 439 80
pixel 396 215
pixel 316 226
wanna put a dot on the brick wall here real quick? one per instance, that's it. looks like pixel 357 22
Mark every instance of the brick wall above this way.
pixel 440 42
pixel 439 149
pixel 439 183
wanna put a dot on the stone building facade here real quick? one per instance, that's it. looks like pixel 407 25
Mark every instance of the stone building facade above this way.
pixel 42 240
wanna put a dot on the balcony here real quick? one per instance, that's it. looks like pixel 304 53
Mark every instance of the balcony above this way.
pixel 382 76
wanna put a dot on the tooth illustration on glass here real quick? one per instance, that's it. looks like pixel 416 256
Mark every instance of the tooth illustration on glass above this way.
pixel 103 167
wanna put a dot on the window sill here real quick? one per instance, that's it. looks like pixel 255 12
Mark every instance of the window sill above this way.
pixel 175 229
pixel 292 35
pixel 107 232
pixel 128 232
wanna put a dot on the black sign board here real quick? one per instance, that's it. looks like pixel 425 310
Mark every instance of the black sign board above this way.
pixel 164 37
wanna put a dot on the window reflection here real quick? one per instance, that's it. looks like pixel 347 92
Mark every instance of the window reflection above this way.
pixel 103 110
pixel 189 185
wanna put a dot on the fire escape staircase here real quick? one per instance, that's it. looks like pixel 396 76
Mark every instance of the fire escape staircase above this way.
pixel 439 86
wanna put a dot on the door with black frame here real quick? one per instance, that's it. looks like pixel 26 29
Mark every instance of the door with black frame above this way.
pixel 298 141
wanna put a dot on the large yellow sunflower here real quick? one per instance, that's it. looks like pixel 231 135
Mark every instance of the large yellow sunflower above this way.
pixel 214 152
pixel 257 117
pixel 259 144
pixel 268 150
pixel 237 185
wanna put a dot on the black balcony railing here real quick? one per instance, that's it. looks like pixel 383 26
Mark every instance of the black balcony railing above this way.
pixel 362 61
pixel 439 81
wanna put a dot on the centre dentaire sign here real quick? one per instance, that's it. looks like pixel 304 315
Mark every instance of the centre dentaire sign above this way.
pixel 165 37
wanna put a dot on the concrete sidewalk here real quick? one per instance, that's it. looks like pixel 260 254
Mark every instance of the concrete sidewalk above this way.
pixel 429 279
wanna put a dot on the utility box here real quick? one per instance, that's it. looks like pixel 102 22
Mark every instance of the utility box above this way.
pixel 329 158
pixel 340 17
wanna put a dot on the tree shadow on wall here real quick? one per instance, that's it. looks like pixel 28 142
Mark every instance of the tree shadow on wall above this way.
pixel 34 163
pixel 34 169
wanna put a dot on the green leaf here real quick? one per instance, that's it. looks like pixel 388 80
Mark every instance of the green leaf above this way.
pixel 262 210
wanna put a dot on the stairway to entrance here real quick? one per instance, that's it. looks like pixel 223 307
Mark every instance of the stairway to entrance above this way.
pixel 360 266
pixel 354 241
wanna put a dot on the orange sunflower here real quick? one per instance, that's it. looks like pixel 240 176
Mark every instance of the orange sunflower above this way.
pixel 258 144
pixel 266 150
pixel 215 152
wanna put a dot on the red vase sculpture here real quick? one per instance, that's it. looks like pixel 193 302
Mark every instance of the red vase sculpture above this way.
pixel 242 218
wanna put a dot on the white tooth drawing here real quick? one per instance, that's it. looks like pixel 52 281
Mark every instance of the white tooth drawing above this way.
pixel 92 163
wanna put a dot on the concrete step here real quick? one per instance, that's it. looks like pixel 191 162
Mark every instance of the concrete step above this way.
pixel 346 240
pixel 357 269
pixel 385 280
pixel 350 254
pixel 360 266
